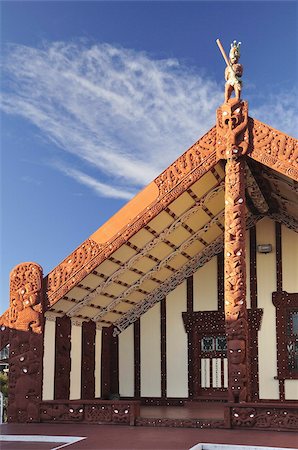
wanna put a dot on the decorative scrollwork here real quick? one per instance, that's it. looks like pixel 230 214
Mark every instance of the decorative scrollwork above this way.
pixel 184 165
pixel 71 265
pixel 25 298
pixel 274 149
pixel 231 129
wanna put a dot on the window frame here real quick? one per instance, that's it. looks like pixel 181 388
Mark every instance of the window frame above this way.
pixel 285 304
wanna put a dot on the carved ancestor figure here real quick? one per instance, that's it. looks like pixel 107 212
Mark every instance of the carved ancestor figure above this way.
pixel 233 72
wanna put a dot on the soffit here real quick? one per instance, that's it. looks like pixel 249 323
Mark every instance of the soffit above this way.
pixel 184 229
pixel 164 237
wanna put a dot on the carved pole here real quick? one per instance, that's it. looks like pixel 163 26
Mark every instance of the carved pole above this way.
pixel 232 143
pixel 25 323
pixel 235 282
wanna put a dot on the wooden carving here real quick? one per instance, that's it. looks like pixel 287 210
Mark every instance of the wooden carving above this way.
pixel 25 298
pixel 25 376
pixel 274 149
pixel 88 360
pixel 186 163
pixel 25 322
pixel 62 358
pixel 235 282
pixel 231 129
pixel 71 265
pixel 189 168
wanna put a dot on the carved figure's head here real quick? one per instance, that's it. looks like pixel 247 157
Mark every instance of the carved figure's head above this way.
pixel 236 349
pixel 235 52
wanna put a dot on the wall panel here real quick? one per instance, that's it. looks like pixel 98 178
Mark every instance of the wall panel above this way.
pixel 205 287
pixel 76 361
pixel 49 359
pixel 150 353
pixel 291 389
pixel 98 347
pixel 266 275
pixel 126 362
pixel 177 361
pixel 289 259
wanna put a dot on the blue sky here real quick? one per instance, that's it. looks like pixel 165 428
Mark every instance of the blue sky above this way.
pixel 99 97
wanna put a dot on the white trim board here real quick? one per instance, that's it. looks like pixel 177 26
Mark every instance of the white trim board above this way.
pixel 64 440
pixel 203 446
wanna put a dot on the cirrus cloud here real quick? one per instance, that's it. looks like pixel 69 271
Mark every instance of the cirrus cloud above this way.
pixel 123 113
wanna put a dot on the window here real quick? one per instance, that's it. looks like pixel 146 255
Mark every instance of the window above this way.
pixel 292 340
pixel 213 343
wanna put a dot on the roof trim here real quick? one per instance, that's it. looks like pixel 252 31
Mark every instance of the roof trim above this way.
pixel 186 170
pixel 273 148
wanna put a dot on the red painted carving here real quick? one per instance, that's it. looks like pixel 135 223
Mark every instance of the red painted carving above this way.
pixel 90 411
pixel 284 304
pixel 274 149
pixel 180 423
pixel 235 282
pixel 25 376
pixel 71 265
pixel 282 417
pixel 25 298
pixel 25 322
pixel 88 360
pixel 189 168
pixel 184 165
pixel 61 412
pixel 231 129
pixel 62 358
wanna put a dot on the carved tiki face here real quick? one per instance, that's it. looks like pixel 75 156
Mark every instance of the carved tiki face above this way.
pixel 236 349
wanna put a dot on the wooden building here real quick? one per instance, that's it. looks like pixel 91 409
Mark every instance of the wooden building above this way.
pixel 188 297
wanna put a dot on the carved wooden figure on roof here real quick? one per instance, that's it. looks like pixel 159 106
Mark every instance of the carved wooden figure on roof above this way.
pixel 233 71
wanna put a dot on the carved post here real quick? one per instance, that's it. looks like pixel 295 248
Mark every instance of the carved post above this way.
pixel 232 144
pixel 235 281
pixel 25 321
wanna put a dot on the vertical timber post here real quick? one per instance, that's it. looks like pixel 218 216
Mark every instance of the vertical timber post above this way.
pixel 24 326
pixel 235 282
pixel 231 145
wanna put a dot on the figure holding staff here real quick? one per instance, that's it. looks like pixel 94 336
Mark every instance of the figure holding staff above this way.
pixel 233 72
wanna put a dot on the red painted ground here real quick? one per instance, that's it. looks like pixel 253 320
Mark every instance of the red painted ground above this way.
pixel 110 437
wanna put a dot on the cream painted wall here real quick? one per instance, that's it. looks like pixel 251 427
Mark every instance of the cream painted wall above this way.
pixel 49 359
pixel 289 260
pixel 97 373
pixel 177 360
pixel 291 389
pixel 150 353
pixel 126 362
pixel 266 276
pixel 205 287
pixel 205 298
pixel 76 360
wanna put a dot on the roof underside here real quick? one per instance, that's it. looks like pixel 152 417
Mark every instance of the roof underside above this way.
pixel 116 283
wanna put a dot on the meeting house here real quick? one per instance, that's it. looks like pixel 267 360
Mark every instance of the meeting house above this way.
pixel 182 309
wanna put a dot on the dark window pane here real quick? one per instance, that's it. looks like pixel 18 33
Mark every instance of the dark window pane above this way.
pixel 221 344
pixel 295 322
pixel 207 344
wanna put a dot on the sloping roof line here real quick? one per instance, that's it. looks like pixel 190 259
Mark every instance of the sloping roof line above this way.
pixel 187 169
pixel 267 146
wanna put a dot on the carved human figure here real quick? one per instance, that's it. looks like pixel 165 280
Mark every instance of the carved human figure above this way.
pixel 237 370
pixel 26 303
pixel 233 73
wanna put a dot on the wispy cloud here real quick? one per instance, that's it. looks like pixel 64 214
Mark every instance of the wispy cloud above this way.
pixel 123 113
